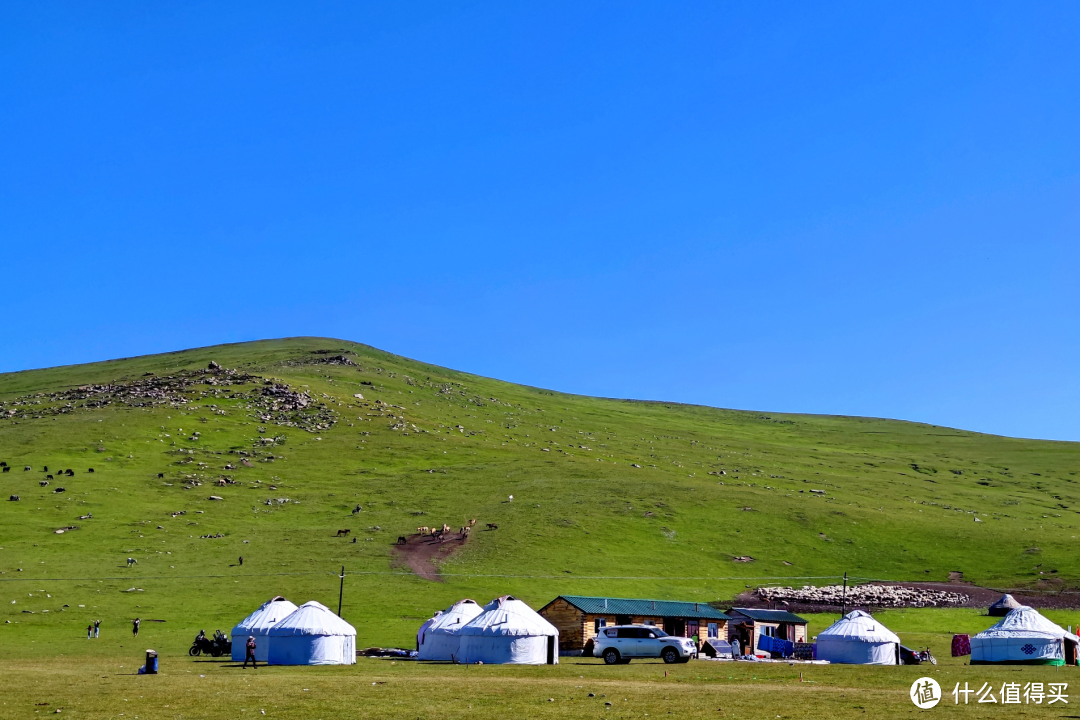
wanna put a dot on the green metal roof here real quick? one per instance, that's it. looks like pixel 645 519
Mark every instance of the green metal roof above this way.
pixel 777 616
pixel 653 608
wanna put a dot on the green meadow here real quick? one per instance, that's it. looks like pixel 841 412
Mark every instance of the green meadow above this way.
pixel 611 497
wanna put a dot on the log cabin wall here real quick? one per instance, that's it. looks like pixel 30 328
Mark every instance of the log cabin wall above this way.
pixel 575 628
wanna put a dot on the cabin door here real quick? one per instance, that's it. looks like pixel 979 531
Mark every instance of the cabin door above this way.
pixel 551 650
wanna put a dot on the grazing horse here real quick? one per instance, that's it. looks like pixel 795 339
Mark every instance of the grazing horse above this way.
pixel 343 532
pixel 492 526
pixel 132 561
pixel 423 530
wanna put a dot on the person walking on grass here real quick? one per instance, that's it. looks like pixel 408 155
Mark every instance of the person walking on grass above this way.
pixel 97 628
pixel 250 646
pixel 135 627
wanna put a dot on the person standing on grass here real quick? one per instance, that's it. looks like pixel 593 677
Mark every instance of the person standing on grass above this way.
pixel 241 561
pixel 97 628
pixel 250 653
pixel 135 627
pixel 89 631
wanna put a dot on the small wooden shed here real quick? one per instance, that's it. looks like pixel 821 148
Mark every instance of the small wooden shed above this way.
pixel 749 624
pixel 579 618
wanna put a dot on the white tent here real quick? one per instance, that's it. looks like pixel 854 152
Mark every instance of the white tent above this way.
pixel 258 624
pixel 440 640
pixel 312 635
pixel 858 639
pixel 1004 606
pixel 423 628
pixel 510 632
pixel 1023 637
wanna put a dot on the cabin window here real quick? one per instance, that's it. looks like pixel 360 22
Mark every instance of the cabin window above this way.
pixel 714 630
pixel 650 623
pixel 768 630
pixel 599 623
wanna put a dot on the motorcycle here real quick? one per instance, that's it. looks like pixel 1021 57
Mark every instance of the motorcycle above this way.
pixel 916 657
pixel 925 656
pixel 202 645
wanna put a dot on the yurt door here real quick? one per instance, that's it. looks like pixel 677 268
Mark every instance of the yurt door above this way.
pixel 551 650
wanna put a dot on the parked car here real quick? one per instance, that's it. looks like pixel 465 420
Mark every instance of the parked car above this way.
pixel 622 643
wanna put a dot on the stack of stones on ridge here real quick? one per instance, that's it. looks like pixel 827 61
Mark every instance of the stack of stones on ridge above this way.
pixel 882 596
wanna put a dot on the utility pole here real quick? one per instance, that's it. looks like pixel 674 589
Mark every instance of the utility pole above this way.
pixel 341 590
pixel 844 608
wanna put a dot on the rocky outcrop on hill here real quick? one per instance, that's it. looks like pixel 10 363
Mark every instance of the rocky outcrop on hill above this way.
pixel 866 595
pixel 271 401
pixel 279 404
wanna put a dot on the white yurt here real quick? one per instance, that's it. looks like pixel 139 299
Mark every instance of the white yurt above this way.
pixel 312 635
pixel 1024 637
pixel 258 624
pixel 1004 606
pixel 509 632
pixel 858 639
pixel 440 639
pixel 424 627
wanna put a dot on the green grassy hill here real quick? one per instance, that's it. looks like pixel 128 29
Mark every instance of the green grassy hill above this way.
pixel 610 497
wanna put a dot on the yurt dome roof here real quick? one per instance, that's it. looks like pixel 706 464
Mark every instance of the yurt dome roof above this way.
pixel 859 626
pixel 312 618
pixel 508 616
pixel 1003 606
pixel 454 618
pixel 269 614
pixel 1025 621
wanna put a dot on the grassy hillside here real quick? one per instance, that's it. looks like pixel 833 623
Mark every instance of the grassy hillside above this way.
pixel 616 497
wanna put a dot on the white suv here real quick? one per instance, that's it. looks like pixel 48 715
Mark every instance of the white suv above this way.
pixel 621 643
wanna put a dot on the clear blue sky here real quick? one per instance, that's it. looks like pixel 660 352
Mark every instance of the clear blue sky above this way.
pixel 852 208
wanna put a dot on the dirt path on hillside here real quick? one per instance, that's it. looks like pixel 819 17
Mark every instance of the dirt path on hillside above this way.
pixel 420 553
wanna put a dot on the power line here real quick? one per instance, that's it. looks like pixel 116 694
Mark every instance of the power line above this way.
pixel 131 578
pixel 158 577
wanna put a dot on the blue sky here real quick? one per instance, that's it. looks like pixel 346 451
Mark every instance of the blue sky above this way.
pixel 846 208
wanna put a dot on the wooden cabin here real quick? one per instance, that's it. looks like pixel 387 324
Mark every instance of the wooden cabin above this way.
pixel 580 618
pixel 749 624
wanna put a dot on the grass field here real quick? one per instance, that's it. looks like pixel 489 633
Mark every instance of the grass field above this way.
pixel 101 684
pixel 611 497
